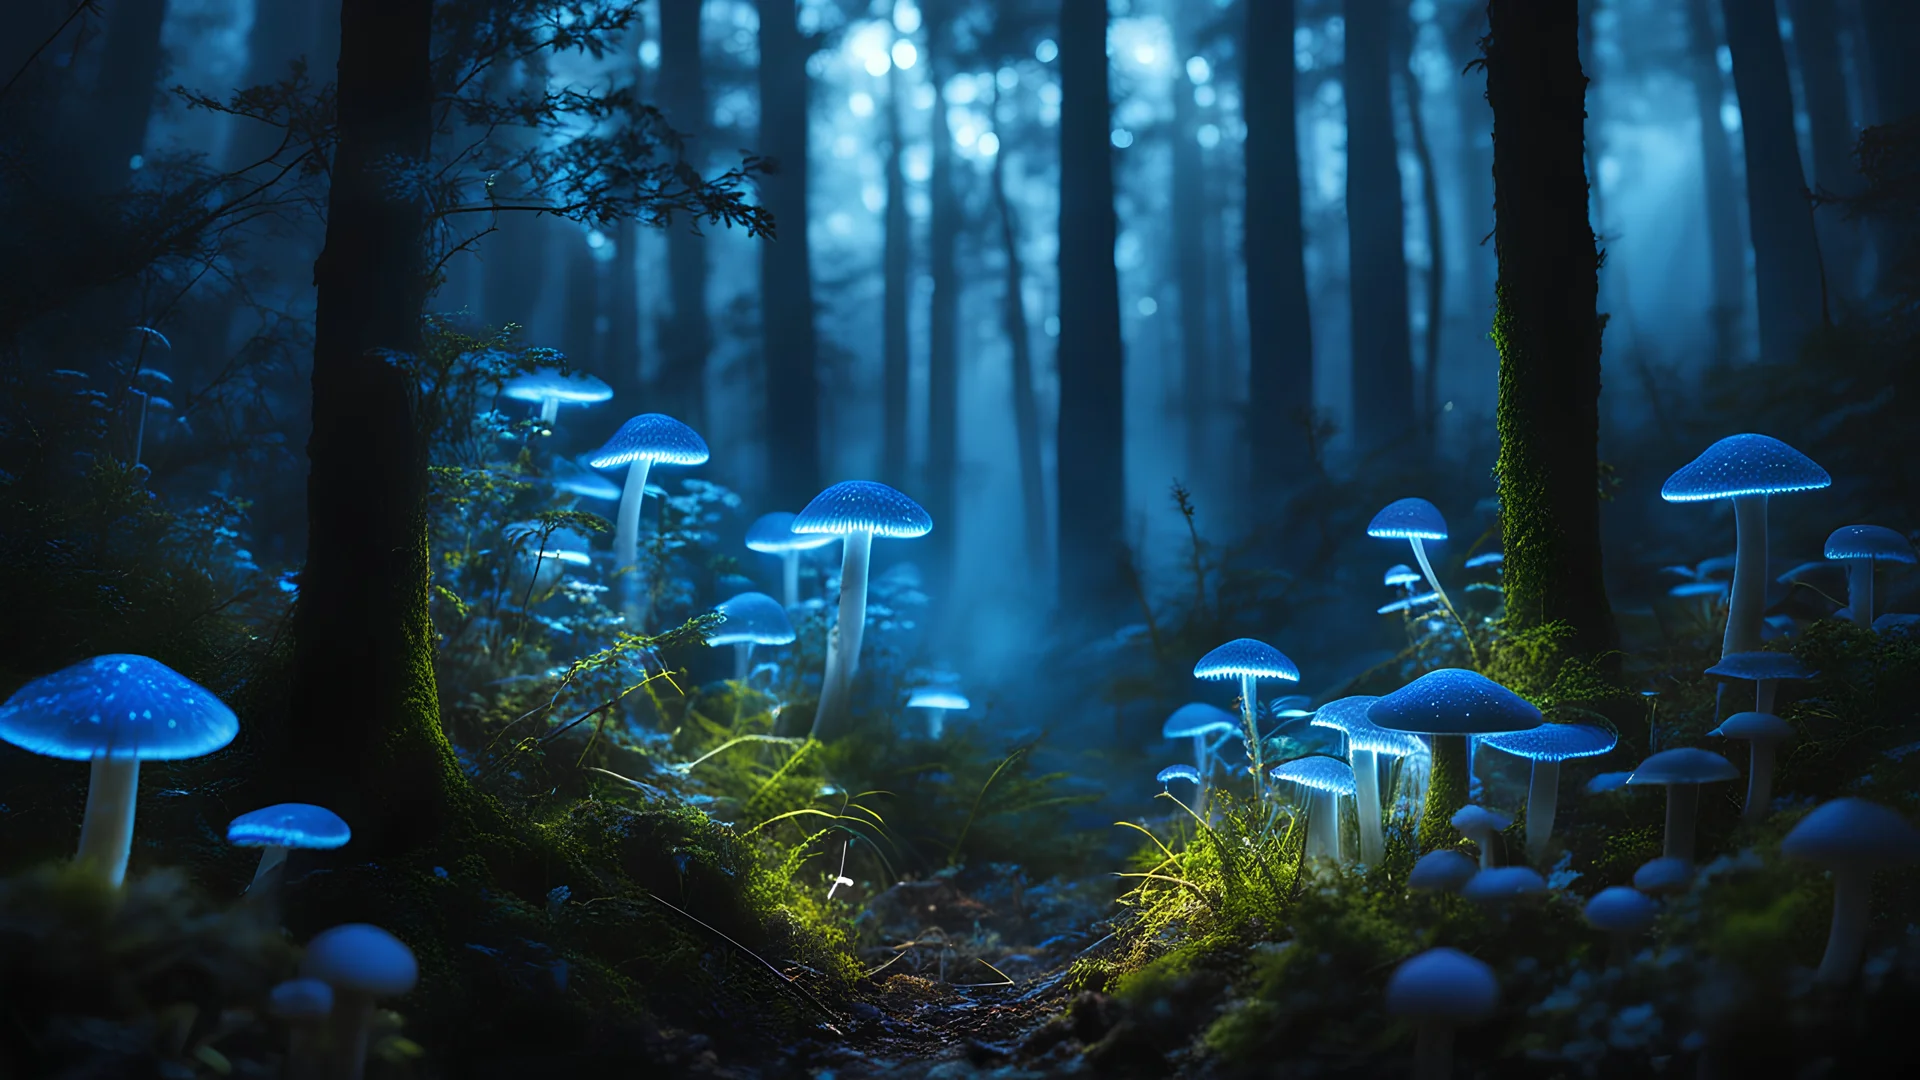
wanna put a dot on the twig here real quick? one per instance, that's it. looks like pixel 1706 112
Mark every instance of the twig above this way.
pixel 763 961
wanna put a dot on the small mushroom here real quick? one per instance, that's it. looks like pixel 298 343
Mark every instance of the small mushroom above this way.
pixel 1439 990
pixel 361 963
pixel 1325 779
pixel 1444 870
pixel 772 534
pixel 1416 521
pixel 1682 772
pixel 1546 747
pixel 1763 733
pixel 1483 827
pixel 1622 914
pixel 115 711
pixel 1665 876
pixel 1198 721
pixel 1852 838
pixel 1366 742
pixel 752 619
pixel 287 825
pixel 1764 670
pixel 1171 773
pixel 1248 661
pixel 305 1004
pixel 1861 547
pixel 550 389
pixel 572 478
pixel 1450 705
pixel 1400 576
pixel 937 702
pixel 638 445
pixel 1503 885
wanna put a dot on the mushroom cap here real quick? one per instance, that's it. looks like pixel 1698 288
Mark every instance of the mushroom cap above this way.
pixel 752 619
pixel 938 697
pixel 863 506
pixel 1178 772
pixel 1489 558
pixel 1754 666
pixel 1348 716
pixel 1198 718
pixel 1686 765
pixel 1853 833
pixel 300 999
pixel 544 383
pixel 1664 875
pixel 1698 588
pixel 289 825
pixel 1744 465
pixel 654 437
pixel 1408 519
pixel 1400 574
pixel 117 705
pixel 1316 772
pixel 773 534
pixel 1442 870
pixel 1555 742
pixel 152 378
pixel 1608 781
pixel 360 959
pixel 1620 910
pixel 1869 542
pixel 1407 603
pixel 1503 883
pixel 1246 656
pixel 1454 701
pixel 1443 984
pixel 1290 706
pixel 573 478
pixel 1754 727
pixel 1472 819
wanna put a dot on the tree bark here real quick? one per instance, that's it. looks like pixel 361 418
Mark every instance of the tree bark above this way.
pixel 896 252
pixel 1279 326
pixel 1546 324
pixel 1026 411
pixel 1786 255
pixel 1382 366
pixel 688 337
pixel 363 735
pixel 789 344
pixel 1090 444
pixel 943 320
pixel 1823 79
pixel 1726 248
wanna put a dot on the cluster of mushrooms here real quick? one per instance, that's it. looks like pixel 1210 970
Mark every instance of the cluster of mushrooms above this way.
pixel 1431 725
pixel 117 710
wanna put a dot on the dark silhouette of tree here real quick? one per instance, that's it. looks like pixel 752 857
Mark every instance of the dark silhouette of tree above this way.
pixel 943 308
pixel 1427 402
pixel 1726 245
pixel 1892 41
pixel 1786 256
pixel 1279 327
pixel 1019 331
pixel 1382 367
pixel 789 342
pixel 1823 80
pixel 1475 162
pixel 1187 210
pixel 1090 443
pixel 896 251
pixel 687 338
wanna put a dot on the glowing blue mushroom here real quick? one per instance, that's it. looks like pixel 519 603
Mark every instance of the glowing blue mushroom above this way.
pixel 1248 661
pixel 1416 521
pixel 1199 721
pixel 937 701
pixel 640 442
pixel 1366 743
pixel 1325 780
pixel 569 476
pixel 1171 773
pixel 288 825
pixel 1681 772
pixel 115 711
pixel 773 534
pixel 1546 747
pixel 550 389
pixel 1861 547
pixel 752 619
pixel 1451 705
pixel 1764 670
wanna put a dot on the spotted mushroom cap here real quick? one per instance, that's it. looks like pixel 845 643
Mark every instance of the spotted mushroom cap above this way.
pixel 1348 716
pixel 1555 742
pixel 289 825
pixel 1744 465
pixel 1408 519
pixel 1454 701
pixel 655 437
pixel 863 506
pixel 1246 656
pixel 1317 773
pixel 1869 542
pixel 117 705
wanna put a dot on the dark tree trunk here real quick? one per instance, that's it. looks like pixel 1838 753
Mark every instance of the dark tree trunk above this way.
pixel 1428 402
pixel 1823 79
pixel 1090 445
pixel 363 736
pixel 514 265
pixel 585 287
pixel 1726 248
pixel 789 346
pixel 1786 256
pixel 943 325
pixel 115 126
pixel 620 349
pixel 1546 323
pixel 1476 164
pixel 1026 411
pixel 1893 41
pixel 1187 212
pixel 1279 327
pixel 1382 367
pixel 688 337
pixel 896 252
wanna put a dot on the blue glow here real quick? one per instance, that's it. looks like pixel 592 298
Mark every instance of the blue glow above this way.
pixel 1317 773
pixel 1246 656
pixel 1348 716
pixel 290 825
pixel 1753 666
pixel 1178 772
pixel 1454 701
pixel 1686 765
pixel 1869 542
pixel 773 534
pixel 1198 718
pixel 863 506
pixel 1744 465
pixel 549 384
pixel 752 619
pixel 1408 519
pixel 1400 574
pixel 118 705
pixel 938 697
pixel 1555 742
pixel 655 437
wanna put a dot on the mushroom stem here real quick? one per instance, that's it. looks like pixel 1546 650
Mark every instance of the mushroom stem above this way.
pixel 1759 780
pixel 936 723
pixel 1852 888
pixel 1543 802
pixel 1426 568
pixel 106 833
pixel 742 658
pixel 1323 825
pixel 1366 802
pixel 140 430
pixel 844 659
pixel 549 410
pixel 352 1029
pixel 272 856
pixel 1748 599
pixel 1683 805
pixel 1200 766
pixel 1250 716
pixel 1446 791
pixel 1433 1050
pixel 1859 589
pixel 626 538
pixel 790 577
pixel 1763 693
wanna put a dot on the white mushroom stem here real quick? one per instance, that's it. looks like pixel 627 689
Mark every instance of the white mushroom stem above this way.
pixel 106 834
pixel 1852 888
pixel 1200 766
pixel 1543 802
pixel 936 722
pixel 1323 824
pixel 549 410
pixel 1748 600
pixel 1484 838
pixel 352 1030
pixel 1683 806
pixel 790 577
pixel 1250 718
pixel 1763 693
pixel 273 856
pixel 1366 798
pixel 1759 780
pixel 1433 1049
pixel 140 433
pixel 843 660
pixel 1426 568
pixel 626 538
pixel 742 659
pixel 1859 589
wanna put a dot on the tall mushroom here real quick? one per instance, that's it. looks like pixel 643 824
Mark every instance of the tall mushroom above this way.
pixel 1852 838
pixel 1546 747
pixel 1439 990
pixel 1451 705
pixel 362 964
pixel 1763 734
pixel 550 389
pixel 772 534
pixel 1416 521
pixel 1746 469
pixel 752 619
pixel 1682 772
pixel 1366 743
pixel 116 711
pixel 1248 661
pixel 1324 779
pixel 1764 670
pixel 1861 547
pixel 640 442
pixel 856 511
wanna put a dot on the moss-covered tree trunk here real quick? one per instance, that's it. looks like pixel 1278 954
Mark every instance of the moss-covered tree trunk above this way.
pixel 1546 324
pixel 364 736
